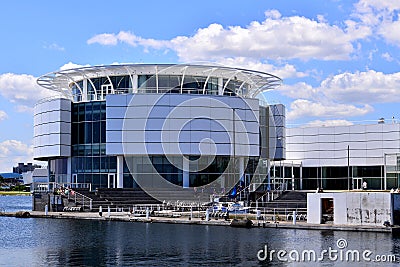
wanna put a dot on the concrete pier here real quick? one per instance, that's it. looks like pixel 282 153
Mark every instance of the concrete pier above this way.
pixel 186 219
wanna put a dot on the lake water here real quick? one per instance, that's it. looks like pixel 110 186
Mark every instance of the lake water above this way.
pixel 51 242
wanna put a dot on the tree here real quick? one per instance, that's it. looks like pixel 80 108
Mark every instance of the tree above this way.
pixel 1 179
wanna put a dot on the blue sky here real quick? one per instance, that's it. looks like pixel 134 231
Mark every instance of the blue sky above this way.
pixel 339 60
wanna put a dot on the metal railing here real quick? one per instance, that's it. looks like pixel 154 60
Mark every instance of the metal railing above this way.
pixel 51 186
pixel 76 185
pixel 270 194
pixel 75 196
pixel 283 214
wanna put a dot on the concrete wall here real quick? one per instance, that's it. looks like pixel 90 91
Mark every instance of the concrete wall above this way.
pixel 368 208
pixel 39 201
pixel 352 208
pixel 314 208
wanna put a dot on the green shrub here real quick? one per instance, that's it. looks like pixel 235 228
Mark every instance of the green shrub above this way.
pixel 20 187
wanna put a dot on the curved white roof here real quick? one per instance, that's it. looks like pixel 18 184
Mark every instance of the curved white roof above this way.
pixel 255 81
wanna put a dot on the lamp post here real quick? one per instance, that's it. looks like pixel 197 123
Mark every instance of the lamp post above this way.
pixel 348 167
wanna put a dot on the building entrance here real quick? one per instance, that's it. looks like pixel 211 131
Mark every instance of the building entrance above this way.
pixel 112 180
pixel 357 183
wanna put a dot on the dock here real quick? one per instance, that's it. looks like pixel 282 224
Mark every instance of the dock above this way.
pixel 186 219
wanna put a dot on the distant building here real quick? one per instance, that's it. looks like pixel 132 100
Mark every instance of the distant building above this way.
pixel 21 168
pixel 38 175
pixel 12 178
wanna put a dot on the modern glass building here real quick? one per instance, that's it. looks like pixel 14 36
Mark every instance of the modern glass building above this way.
pixel 156 126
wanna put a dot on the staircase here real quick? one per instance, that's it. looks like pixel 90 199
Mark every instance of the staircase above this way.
pixel 128 197
pixel 287 200
pixel 116 198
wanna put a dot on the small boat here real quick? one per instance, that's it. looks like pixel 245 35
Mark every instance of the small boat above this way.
pixel 243 223
pixel 238 208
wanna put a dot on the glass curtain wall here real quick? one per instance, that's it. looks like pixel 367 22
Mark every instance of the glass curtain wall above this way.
pixel 173 83
pixel 89 160
pixel 330 178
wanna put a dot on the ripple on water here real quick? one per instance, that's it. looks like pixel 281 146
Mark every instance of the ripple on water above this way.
pixel 46 242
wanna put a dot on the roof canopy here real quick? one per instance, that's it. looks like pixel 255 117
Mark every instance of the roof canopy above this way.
pixel 63 81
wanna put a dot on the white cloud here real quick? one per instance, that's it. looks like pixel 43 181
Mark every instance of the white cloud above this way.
pixel 71 65
pixel 54 46
pixel 22 90
pixel 343 95
pixel 381 16
pixel 274 38
pixel 390 31
pixel 319 123
pixel 299 90
pixel 372 12
pixel 283 71
pixel 3 115
pixel 103 39
pixel 12 152
pixel 363 87
pixel 387 57
pixel 367 87
pixel 306 108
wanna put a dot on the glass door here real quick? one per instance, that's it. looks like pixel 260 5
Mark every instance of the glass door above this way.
pixel 357 183
pixel 105 90
pixel 111 180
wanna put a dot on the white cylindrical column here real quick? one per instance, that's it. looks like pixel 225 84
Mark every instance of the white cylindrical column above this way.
pixel 220 86
pixel 185 173
pixel 294 217
pixel 120 171
pixel 258 214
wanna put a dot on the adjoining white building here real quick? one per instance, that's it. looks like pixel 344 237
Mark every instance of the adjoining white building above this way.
pixel 158 126
pixel 342 157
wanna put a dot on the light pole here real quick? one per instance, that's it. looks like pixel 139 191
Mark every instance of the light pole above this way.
pixel 348 167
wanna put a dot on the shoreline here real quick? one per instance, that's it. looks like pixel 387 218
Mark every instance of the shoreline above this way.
pixel 125 217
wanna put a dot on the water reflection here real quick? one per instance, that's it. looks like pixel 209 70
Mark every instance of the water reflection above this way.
pixel 44 242
pixel 93 243
pixel 15 203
